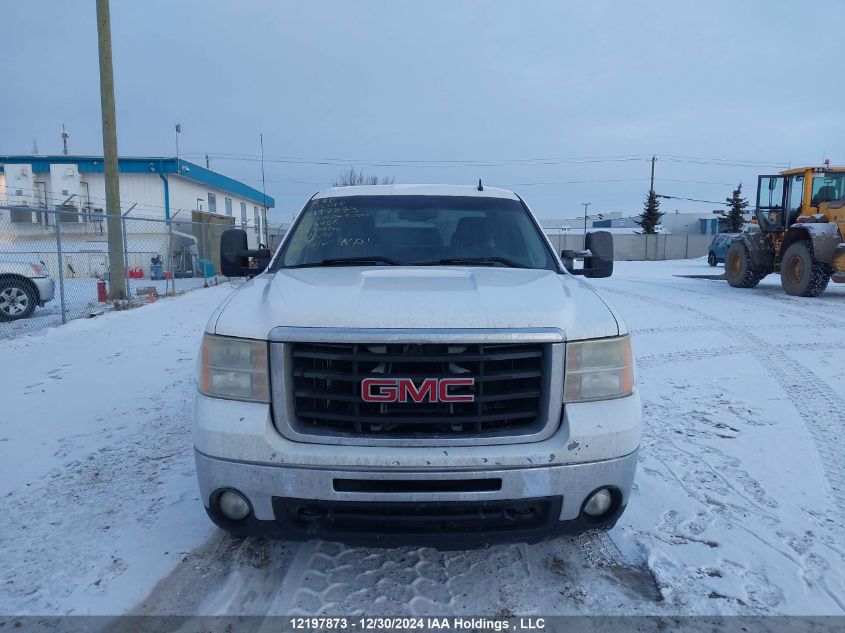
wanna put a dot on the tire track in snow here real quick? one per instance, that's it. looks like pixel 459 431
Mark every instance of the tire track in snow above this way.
pixel 333 578
pixel 823 412
pixel 649 360
pixel 822 415
pixel 330 578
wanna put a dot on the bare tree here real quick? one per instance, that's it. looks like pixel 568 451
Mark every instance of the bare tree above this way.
pixel 352 177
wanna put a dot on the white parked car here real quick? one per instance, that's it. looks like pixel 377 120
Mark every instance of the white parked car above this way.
pixel 416 365
pixel 24 284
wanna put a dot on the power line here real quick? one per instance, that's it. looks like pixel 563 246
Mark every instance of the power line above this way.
pixel 494 162
pixel 690 199
pixel 423 162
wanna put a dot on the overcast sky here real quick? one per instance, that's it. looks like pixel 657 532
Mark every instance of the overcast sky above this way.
pixel 753 86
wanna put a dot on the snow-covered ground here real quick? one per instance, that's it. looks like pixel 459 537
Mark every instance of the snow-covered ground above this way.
pixel 81 300
pixel 739 503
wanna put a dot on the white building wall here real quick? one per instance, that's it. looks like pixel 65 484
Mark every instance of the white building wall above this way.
pixel 192 196
pixel 147 190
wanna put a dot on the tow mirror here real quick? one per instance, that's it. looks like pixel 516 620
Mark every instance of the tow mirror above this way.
pixel 598 256
pixel 235 255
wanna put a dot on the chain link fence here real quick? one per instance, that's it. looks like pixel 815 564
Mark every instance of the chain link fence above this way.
pixel 54 263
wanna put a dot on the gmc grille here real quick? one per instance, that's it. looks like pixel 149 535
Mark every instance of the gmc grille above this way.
pixel 508 385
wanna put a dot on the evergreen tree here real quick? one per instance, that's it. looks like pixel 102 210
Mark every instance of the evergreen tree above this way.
pixel 734 218
pixel 650 217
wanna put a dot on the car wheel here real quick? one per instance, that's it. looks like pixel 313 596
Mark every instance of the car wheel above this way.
pixel 17 299
pixel 801 274
pixel 739 269
pixel 711 258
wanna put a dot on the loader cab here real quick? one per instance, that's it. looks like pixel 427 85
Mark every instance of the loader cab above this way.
pixel 779 201
pixel 798 191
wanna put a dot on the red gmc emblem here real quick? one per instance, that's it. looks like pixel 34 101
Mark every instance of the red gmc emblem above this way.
pixel 404 390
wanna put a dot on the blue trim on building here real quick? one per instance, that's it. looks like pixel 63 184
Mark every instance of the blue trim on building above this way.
pixel 145 165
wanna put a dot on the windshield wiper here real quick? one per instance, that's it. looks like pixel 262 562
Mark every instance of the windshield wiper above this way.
pixel 348 261
pixel 475 261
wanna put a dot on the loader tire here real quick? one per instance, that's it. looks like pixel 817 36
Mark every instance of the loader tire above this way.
pixel 801 274
pixel 739 269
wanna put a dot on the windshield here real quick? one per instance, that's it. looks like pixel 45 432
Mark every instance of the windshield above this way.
pixel 415 230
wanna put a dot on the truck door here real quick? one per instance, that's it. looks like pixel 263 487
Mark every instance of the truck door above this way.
pixel 770 203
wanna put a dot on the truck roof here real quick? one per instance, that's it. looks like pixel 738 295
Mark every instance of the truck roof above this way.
pixel 416 190
pixel 801 170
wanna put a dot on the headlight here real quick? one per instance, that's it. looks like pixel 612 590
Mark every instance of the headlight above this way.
pixel 598 369
pixel 234 368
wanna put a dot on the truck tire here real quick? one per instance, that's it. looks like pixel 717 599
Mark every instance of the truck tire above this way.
pixel 18 299
pixel 739 269
pixel 711 258
pixel 801 274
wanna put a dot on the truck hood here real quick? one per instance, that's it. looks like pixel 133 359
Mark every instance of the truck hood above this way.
pixel 414 297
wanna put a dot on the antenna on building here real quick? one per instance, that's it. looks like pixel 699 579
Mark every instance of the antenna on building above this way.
pixel 207 162
pixel 65 137
pixel 34 147
pixel 178 131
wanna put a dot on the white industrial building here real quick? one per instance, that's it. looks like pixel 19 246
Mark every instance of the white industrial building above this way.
pixel 160 197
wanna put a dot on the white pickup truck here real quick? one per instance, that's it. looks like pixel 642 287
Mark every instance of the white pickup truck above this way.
pixel 415 365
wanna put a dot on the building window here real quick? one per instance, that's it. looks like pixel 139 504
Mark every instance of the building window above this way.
pixel 243 215
pixel 212 203
pixel 257 219
pixel 228 202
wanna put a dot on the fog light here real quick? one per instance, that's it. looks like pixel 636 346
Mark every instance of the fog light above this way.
pixel 599 503
pixel 233 506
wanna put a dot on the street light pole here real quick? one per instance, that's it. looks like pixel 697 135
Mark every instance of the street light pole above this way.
pixel 117 272
pixel 586 204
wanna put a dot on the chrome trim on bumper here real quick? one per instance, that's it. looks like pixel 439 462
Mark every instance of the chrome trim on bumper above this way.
pixel 261 482
pixel 551 403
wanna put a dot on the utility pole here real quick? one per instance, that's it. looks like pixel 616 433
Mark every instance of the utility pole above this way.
pixel 651 187
pixel 178 131
pixel 263 185
pixel 207 162
pixel 586 204
pixel 117 272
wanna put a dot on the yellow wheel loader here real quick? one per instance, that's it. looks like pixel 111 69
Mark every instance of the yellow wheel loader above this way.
pixel 801 213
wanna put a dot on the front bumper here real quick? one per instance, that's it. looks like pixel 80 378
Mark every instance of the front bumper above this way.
pixel 435 507
pixel 46 289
